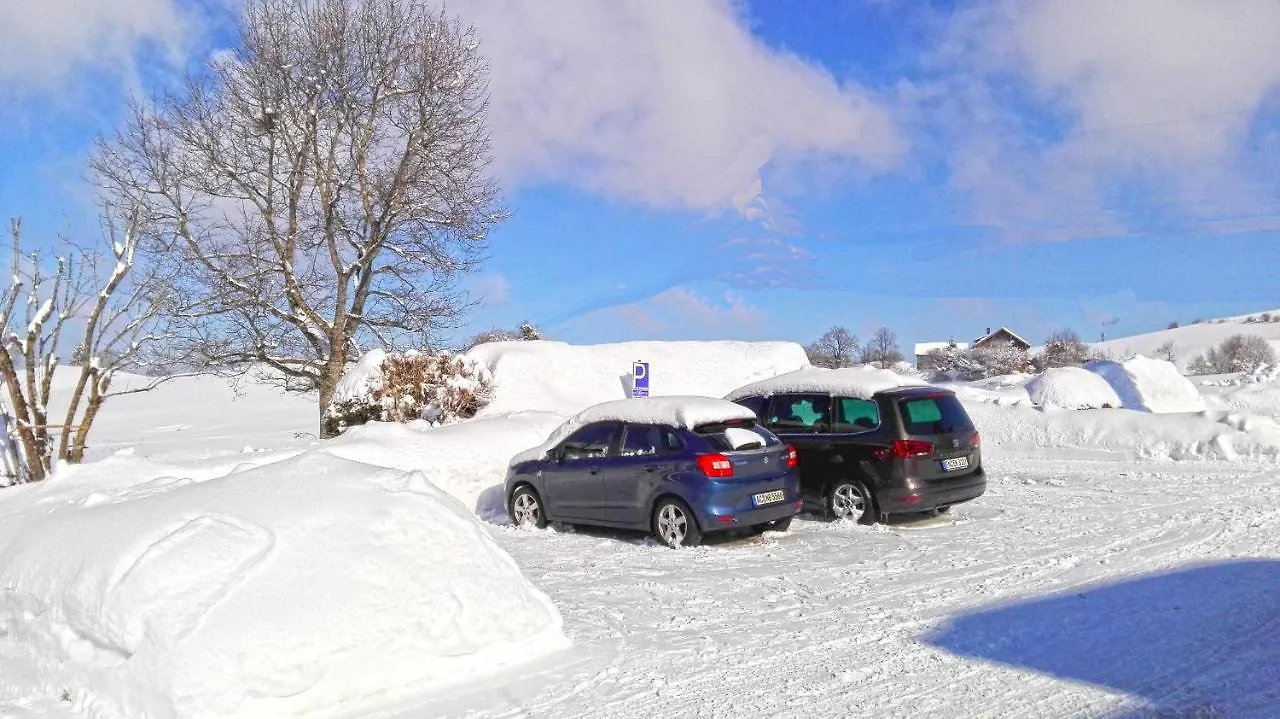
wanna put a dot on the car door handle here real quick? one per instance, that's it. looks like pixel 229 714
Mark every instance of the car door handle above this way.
pixel 651 468
pixel 593 471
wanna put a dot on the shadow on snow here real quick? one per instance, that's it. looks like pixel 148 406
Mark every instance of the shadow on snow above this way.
pixel 1202 641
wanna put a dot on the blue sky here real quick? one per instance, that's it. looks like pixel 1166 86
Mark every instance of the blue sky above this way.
pixel 765 170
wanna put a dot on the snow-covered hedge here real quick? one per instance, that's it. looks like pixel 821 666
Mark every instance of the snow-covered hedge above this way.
pixel 394 387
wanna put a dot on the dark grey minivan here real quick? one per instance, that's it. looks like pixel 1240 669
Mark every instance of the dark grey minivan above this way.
pixel 901 450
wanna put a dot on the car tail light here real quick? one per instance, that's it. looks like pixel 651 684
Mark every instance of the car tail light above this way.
pixel 977 440
pixel 793 458
pixel 907 448
pixel 715 465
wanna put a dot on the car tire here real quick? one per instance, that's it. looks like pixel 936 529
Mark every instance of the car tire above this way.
pixel 674 524
pixel 849 499
pixel 526 508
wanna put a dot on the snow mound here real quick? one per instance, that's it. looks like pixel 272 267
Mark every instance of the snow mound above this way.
pixel 563 378
pixel 684 412
pixel 1149 385
pixel 467 460
pixel 1071 388
pixel 287 589
pixel 861 382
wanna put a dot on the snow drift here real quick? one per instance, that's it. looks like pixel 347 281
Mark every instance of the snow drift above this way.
pixel 562 378
pixel 1071 388
pixel 1124 434
pixel 291 588
pixel 1149 385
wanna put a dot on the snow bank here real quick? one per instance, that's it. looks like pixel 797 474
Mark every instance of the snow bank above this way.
pixel 557 377
pixel 1149 385
pixel 1071 388
pixel 860 382
pixel 291 588
pixel 1123 434
pixel 467 460
pixel 685 412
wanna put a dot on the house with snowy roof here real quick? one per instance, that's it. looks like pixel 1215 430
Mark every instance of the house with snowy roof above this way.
pixel 1003 339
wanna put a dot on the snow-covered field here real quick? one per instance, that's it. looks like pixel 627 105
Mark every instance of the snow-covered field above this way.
pixel 1122 563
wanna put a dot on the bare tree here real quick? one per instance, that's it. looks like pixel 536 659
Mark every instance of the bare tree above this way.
pixel 319 188
pixel 1064 348
pixel 1168 351
pixel 105 303
pixel 882 349
pixel 837 347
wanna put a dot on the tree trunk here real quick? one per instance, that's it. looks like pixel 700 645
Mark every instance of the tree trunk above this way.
pixel 34 459
pixel 328 382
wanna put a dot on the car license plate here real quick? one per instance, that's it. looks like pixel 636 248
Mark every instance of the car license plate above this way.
pixel 951 465
pixel 768 497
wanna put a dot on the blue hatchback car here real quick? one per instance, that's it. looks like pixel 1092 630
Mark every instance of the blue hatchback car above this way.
pixel 679 467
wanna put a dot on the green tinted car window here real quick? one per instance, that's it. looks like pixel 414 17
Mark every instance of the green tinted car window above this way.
pixel 923 411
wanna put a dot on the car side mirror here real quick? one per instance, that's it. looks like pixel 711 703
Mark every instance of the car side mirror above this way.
pixel 553 454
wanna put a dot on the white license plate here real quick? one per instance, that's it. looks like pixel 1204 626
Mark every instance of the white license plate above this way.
pixel 951 465
pixel 768 497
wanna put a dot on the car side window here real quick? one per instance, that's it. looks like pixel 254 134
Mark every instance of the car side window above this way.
pixel 590 442
pixel 672 441
pixel 799 413
pixel 855 415
pixel 641 441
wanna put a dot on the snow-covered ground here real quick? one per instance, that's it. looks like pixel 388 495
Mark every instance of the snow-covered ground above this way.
pixel 1122 563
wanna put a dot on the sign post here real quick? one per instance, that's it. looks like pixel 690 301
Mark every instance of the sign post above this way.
pixel 639 379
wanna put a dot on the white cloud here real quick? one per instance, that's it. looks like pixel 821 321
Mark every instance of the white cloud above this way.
pixel 665 103
pixel 46 41
pixel 1150 96
pixel 680 311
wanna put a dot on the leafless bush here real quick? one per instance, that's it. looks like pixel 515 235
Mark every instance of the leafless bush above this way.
pixel 882 349
pixel 1237 353
pixel 440 388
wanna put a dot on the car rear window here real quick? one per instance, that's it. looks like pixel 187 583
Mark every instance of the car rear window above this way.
pixel 737 437
pixel 940 414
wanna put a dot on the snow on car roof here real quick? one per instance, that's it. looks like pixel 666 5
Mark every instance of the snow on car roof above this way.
pixel 684 412
pixel 860 382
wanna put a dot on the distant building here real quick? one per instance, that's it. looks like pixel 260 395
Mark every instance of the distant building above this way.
pixel 924 352
pixel 1002 340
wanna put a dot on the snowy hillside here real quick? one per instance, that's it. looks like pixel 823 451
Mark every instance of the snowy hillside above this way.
pixel 1193 340
pixel 218 560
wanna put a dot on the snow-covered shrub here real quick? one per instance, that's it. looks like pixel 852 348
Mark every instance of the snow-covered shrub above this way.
pixel 525 332
pixel 391 387
pixel 1072 388
pixel 1237 353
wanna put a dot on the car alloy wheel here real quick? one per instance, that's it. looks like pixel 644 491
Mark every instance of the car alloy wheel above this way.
pixel 673 525
pixel 526 510
pixel 849 500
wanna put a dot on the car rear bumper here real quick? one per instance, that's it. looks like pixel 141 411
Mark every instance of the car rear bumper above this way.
pixel 727 505
pixel 922 495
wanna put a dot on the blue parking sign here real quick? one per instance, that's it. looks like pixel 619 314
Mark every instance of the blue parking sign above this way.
pixel 639 379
